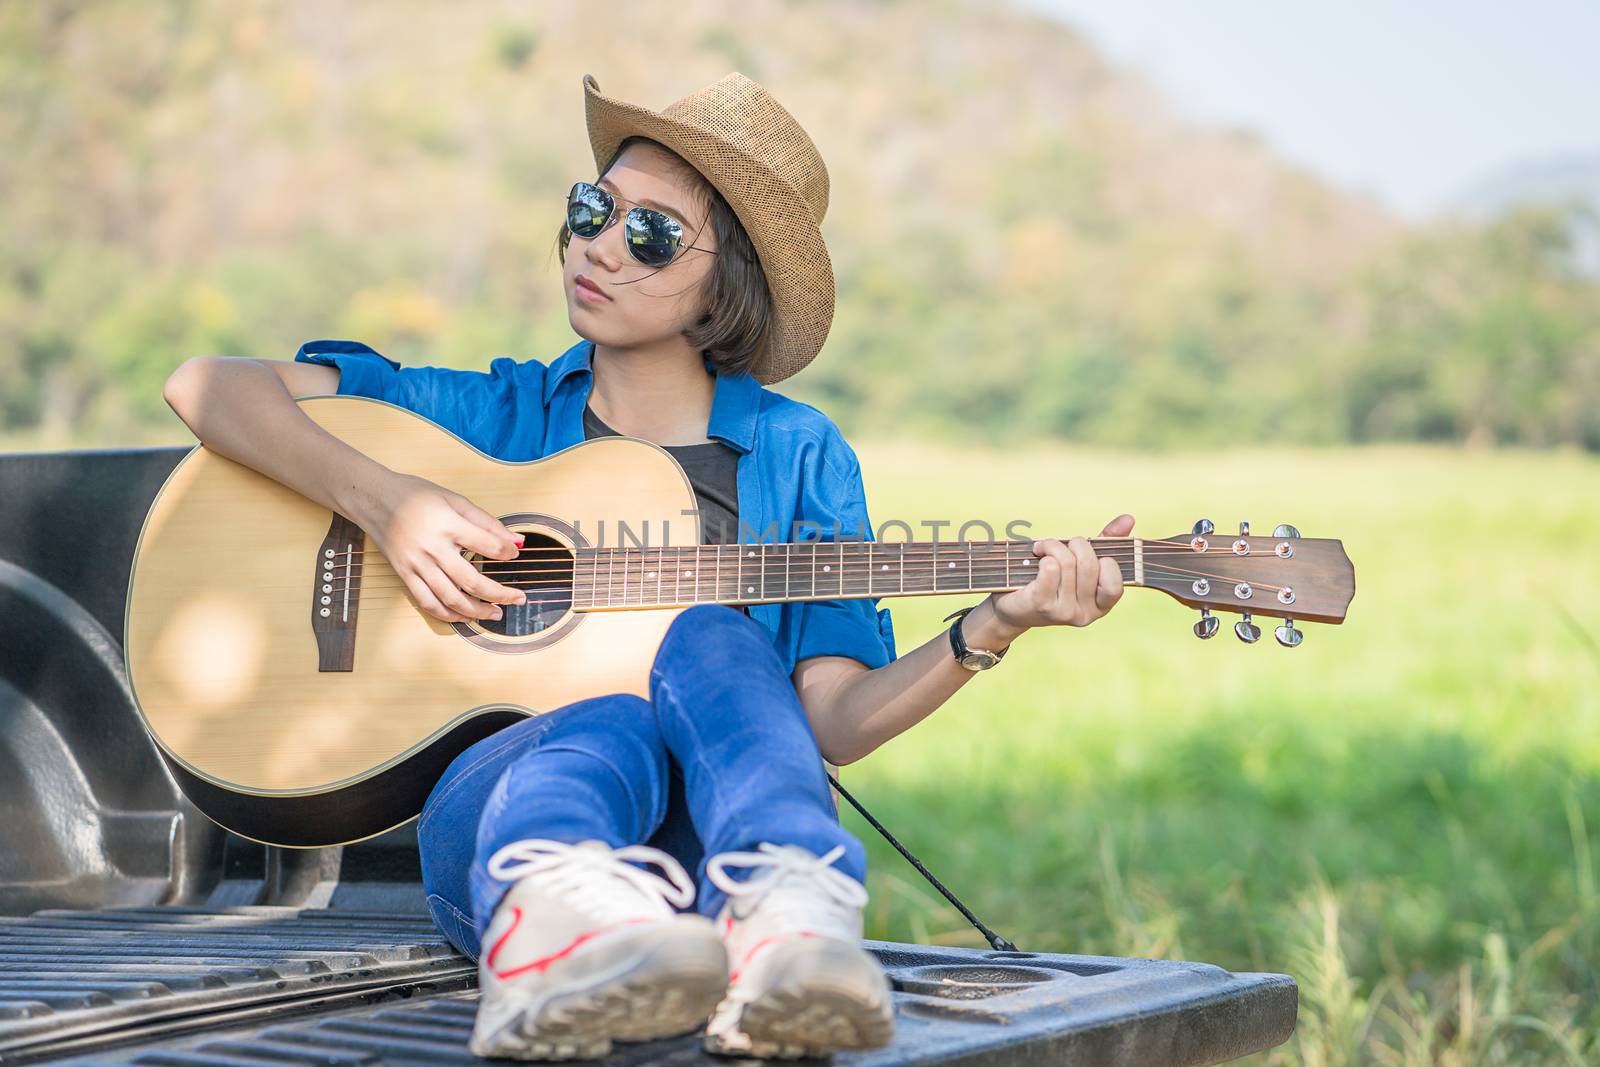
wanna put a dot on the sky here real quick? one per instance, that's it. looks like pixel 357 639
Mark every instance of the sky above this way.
pixel 1416 102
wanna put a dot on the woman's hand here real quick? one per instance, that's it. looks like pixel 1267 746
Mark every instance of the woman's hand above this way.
pixel 1074 587
pixel 421 528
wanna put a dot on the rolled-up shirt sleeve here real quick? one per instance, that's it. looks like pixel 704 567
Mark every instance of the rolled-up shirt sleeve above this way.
pixel 836 501
pixel 480 407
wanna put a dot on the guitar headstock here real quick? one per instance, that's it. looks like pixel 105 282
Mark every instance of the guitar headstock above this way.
pixel 1284 576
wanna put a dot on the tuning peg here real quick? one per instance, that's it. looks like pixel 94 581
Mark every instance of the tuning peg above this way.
pixel 1203 527
pixel 1246 630
pixel 1284 530
pixel 1244 528
pixel 1287 635
pixel 1206 626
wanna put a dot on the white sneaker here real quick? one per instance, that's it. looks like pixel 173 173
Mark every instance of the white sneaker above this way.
pixel 801 982
pixel 586 947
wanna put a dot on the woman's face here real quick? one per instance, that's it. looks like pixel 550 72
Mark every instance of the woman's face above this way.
pixel 647 304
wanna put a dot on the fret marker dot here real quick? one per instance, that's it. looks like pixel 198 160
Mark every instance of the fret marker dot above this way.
pixel 952 566
pixel 825 567
pixel 884 567
pixel 687 573
pixel 749 589
pixel 749 554
pixel 652 574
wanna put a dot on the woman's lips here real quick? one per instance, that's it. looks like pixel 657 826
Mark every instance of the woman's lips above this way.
pixel 588 290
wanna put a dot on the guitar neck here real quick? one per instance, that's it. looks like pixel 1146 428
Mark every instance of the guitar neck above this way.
pixel 623 578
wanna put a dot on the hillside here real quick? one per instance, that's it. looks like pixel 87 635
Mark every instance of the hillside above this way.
pixel 185 181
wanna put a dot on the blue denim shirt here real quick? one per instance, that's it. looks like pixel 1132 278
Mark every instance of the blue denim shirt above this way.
pixel 794 465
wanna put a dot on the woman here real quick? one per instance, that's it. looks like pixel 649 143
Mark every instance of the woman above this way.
pixel 696 274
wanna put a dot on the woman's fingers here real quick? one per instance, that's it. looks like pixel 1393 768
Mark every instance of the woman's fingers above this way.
pixel 1059 579
pixel 1109 589
pixel 471 536
pixel 474 582
pixel 1078 602
pixel 1074 585
pixel 450 595
pixel 423 594
pixel 1121 526
pixel 503 537
pixel 1047 584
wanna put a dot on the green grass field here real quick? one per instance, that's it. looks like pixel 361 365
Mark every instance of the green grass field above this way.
pixel 1403 813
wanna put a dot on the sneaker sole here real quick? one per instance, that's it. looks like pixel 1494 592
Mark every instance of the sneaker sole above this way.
pixel 669 988
pixel 831 997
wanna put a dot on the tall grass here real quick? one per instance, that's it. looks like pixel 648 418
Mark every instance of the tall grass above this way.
pixel 1403 813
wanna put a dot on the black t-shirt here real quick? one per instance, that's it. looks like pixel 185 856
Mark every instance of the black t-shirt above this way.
pixel 712 468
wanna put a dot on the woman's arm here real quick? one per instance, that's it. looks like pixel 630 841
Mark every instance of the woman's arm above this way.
pixel 854 709
pixel 245 409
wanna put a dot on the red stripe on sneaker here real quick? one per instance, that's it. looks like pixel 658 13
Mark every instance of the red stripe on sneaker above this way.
pixel 544 962
pixel 758 946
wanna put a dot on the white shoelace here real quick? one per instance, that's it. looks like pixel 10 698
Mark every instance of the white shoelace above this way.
pixel 571 871
pixel 792 868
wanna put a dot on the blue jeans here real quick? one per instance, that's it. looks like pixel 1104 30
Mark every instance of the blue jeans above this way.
pixel 720 758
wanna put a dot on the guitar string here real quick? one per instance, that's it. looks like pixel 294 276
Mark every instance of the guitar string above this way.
pixel 687 552
pixel 566 576
pixel 684 554
pixel 991 573
pixel 999 578
pixel 595 603
pixel 1148 542
pixel 672 554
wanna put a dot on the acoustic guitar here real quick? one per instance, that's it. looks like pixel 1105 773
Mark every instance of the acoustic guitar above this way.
pixel 302 698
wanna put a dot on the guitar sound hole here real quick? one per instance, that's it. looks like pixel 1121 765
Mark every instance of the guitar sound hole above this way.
pixel 542 570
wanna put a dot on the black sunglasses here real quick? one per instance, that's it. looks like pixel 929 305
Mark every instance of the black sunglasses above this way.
pixel 652 238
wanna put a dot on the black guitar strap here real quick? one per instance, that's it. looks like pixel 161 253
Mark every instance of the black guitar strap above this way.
pixel 999 943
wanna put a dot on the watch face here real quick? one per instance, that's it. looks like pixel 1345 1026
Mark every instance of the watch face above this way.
pixel 978 661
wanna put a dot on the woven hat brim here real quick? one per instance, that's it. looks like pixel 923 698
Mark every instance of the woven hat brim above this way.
pixel 786 236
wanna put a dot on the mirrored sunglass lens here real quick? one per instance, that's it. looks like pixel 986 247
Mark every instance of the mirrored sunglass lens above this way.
pixel 588 207
pixel 652 236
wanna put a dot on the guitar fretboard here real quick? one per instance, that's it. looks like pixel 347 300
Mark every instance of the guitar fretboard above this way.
pixel 807 570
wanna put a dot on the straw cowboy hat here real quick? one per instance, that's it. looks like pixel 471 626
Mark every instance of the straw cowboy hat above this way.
pixel 744 143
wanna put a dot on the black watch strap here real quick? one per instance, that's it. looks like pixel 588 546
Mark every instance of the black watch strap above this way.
pixel 958 643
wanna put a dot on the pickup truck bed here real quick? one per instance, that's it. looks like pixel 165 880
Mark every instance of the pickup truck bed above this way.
pixel 133 930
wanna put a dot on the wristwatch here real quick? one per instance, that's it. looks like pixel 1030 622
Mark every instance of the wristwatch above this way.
pixel 973 659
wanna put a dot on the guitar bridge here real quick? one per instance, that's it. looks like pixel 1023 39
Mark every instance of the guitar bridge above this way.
pixel 336 594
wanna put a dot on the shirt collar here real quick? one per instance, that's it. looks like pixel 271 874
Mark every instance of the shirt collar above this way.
pixel 734 403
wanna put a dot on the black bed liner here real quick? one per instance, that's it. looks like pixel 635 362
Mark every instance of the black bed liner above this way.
pixel 258 985
pixel 74 979
pixel 186 945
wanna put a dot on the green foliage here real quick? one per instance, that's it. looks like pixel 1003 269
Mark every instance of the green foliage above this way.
pixel 1403 813
pixel 1026 248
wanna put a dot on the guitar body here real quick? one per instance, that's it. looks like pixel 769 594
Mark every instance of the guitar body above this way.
pixel 297 738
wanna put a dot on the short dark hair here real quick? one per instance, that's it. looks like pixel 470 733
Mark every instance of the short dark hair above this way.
pixel 736 329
